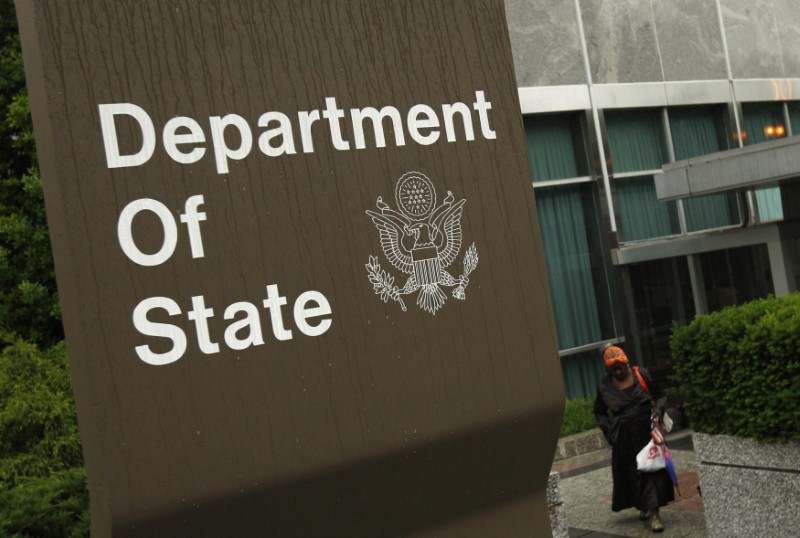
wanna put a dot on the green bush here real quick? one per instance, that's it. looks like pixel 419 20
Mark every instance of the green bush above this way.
pixel 740 369
pixel 52 506
pixel 578 416
pixel 43 489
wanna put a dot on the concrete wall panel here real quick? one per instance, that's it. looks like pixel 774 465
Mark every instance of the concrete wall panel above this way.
pixel 787 16
pixel 752 33
pixel 546 42
pixel 621 40
pixel 689 40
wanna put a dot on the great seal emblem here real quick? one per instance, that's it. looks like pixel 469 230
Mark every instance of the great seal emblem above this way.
pixel 420 239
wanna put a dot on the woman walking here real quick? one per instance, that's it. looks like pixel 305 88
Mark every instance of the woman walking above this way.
pixel 626 401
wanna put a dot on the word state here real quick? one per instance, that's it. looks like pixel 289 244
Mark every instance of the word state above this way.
pixel 309 310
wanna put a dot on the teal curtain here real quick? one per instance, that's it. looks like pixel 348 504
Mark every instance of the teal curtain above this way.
pixel 643 216
pixel 569 264
pixel 764 122
pixel 794 117
pixel 699 131
pixel 769 203
pixel 636 140
pixel 553 148
pixel 582 372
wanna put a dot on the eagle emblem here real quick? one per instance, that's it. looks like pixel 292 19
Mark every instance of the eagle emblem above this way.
pixel 421 239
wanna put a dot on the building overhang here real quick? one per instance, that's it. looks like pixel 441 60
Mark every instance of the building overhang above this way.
pixel 738 169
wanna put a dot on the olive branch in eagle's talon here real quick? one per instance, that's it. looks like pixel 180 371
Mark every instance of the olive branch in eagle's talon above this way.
pixel 470 263
pixel 383 283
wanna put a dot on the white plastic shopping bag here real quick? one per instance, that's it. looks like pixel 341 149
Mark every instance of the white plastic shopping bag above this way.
pixel 650 458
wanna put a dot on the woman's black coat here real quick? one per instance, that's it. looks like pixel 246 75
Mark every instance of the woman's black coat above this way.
pixel 627 430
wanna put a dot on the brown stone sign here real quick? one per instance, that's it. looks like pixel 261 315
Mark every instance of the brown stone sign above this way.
pixel 302 283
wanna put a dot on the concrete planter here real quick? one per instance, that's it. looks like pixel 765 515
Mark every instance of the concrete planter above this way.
pixel 580 443
pixel 749 488
pixel 555 506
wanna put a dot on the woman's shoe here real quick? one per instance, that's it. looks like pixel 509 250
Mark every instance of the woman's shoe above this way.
pixel 644 514
pixel 655 522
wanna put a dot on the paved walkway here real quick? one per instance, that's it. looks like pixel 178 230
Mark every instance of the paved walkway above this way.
pixel 586 486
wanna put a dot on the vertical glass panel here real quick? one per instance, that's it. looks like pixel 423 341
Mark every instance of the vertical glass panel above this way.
pixel 699 131
pixel 770 207
pixel 662 296
pixel 794 117
pixel 582 371
pixel 569 264
pixel 735 276
pixel 555 149
pixel 712 211
pixel 696 131
pixel 636 140
pixel 643 215
pixel 764 122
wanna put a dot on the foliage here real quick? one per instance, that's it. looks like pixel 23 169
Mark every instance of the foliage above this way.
pixel 38 425
pixel 54 506
pixel 28 299
pixel 42 481
pixel 43 489
pixel 578 416
pixel 740 369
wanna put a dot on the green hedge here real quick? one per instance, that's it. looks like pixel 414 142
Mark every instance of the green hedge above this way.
pixel 740 369
pixel 578 416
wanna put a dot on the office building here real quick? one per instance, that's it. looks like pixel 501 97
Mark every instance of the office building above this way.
pixel 614 93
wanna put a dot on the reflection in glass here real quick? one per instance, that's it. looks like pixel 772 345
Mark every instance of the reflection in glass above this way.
pixel 735 276
pixel 662 296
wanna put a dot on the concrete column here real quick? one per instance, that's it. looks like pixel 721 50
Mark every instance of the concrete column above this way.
pixel 698 285
pixel 782 267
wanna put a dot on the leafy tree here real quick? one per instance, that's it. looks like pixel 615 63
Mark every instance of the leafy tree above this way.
pixel 28 300
pixel 42 481
pixel 38 427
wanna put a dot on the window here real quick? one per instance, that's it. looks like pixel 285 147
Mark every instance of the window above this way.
pixel 570 229
pixel 638 150
pixel 764 122
pixel 581 373
pixel 794 117
pixel 735 276
pixel 662 296
pixel 699 131
pixel 555 147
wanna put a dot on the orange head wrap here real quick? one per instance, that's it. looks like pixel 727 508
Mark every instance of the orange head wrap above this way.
pixel 614 354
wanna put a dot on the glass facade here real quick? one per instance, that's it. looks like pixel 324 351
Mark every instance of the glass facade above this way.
pixel 764 122
pixel 735 276
pixel 570 229
pixel 794 118
pixel 638 148
pixel 662 296
pixel 571 237
pixel 556 149
pixel 581 372
pixel 662 292
pixel 699 131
